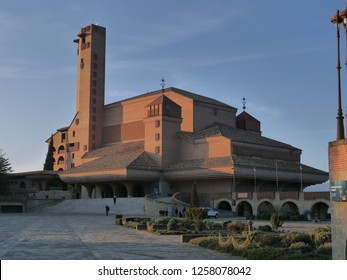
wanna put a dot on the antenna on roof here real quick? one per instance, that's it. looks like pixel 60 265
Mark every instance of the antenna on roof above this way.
pixel 244 103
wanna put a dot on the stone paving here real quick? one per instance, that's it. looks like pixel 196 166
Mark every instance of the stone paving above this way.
pixel 44 236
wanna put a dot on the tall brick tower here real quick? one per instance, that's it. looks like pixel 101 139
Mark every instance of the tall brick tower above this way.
pixel 338 169
pixel 90 95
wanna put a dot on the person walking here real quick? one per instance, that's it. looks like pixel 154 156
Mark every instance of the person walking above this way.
pixel 114 200
pixel 107 209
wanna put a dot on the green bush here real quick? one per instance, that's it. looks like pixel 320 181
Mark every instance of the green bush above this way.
pixel 213 225
pixel 264 253
pixel 179 224
pixel 237 227
pixel 302 246
pixel 199 225
pixel 210 242
pixel 325 250
pixel 277 220
pixel 289 238
pixel 195 213
pixel 163 221
pixel 322 235
pixel 172 224
pixel 264 239
pixel 265 228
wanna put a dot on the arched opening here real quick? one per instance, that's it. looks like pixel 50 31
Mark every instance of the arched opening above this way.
pixel 265 209
pixel 224 205
pixel 244 209
pixel 139 191
pixel 320 211
pixel 61 149
pixel 61 160
pixel 121 191
pixel 290 209
pixel 106 191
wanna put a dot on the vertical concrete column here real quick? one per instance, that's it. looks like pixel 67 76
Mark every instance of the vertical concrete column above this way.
pixel 277 202
pixel 164 186
pixel 255 203
pixel 301 203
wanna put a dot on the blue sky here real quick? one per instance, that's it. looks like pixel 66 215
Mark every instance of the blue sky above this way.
pixel 280 55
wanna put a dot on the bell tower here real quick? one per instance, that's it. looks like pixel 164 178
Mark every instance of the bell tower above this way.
pixel 90 93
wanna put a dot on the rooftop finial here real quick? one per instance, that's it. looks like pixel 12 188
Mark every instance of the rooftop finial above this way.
pixel 162 84
pixel 244 103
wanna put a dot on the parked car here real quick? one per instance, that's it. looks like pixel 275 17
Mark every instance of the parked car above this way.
pixel 212 213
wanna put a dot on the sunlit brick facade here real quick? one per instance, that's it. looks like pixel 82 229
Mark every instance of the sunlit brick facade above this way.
pixel 166 140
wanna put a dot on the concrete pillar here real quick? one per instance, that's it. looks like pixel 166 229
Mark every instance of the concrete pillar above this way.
pixel 301 203
pixel 164 186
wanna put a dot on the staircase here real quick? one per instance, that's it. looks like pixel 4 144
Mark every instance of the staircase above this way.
pixel 127 206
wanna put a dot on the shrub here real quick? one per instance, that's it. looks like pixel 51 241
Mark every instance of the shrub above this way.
pixel 199 225
pixel 325 250
pixel 195 213
pixel 172 224
pixel 322 235
pixel 264 253
pixel 264 239
pixel 302 246
pixel 162 221
pixel 210 242
pixel 265 228
pixel 237 226
pixel 289 238
pixel 276 220
pixel 214 226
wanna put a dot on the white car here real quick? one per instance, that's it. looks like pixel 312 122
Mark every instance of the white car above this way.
pixel 212 213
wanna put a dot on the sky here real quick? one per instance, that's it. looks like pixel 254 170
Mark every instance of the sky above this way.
pixel 278 54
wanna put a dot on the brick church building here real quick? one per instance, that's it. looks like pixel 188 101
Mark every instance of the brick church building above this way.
pixel 166 141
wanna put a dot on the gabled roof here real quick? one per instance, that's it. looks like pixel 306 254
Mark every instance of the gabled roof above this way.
pixel 235 134
pixel 191 95
pixel 119 156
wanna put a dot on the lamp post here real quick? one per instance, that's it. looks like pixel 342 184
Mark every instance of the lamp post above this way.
pixel 337 20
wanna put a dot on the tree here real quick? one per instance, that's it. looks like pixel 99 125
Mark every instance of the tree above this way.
pixel 5 169
pixel 49 163
pixel 276 220
pixel 194 198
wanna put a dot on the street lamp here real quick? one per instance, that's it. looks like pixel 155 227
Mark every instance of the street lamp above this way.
pixel 337 20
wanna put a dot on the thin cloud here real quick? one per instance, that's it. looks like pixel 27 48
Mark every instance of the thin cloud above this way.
pixel 181 27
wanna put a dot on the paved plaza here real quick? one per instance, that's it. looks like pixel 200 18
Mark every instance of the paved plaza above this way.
pixel 42 236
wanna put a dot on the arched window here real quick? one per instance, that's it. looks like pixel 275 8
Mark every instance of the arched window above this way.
pixel 61 149
pixel 61 160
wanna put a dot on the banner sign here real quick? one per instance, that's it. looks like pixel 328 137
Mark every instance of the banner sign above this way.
pixel 338 190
